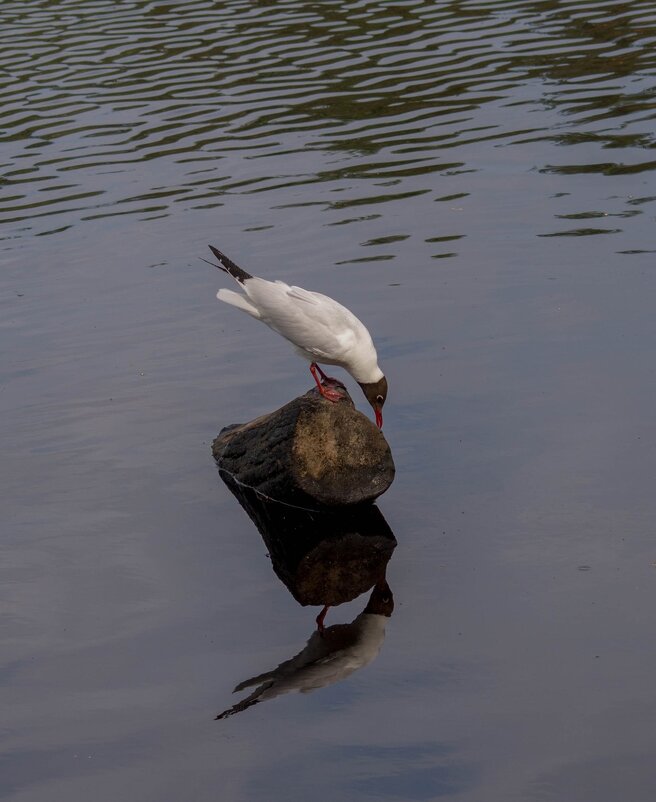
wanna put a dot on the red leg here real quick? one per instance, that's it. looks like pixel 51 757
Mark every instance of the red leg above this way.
pixel 320 619
pixel 326 392
pixel 323 375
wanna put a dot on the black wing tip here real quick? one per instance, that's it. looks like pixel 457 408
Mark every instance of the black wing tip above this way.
pixel 229 266
pixel 220 256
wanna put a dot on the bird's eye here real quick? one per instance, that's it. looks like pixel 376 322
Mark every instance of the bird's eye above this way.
pixel 379 399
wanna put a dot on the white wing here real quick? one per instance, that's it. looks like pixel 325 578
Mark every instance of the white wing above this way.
pixel 299 294
pixel 313 322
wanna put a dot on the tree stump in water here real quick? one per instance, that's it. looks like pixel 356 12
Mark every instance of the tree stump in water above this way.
pixel 311 453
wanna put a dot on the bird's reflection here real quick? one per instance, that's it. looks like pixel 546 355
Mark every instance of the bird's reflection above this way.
pixel 324 558
pixel 328 657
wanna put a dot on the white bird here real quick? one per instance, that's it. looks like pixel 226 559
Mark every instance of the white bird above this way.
pixel 319 328
pixel 328 656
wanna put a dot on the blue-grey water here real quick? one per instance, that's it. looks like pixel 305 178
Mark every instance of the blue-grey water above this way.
pixel 476 180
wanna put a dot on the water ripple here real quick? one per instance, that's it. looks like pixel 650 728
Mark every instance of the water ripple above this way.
pixel 137 91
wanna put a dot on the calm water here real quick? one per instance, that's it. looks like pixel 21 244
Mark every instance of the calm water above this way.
pixel 476 180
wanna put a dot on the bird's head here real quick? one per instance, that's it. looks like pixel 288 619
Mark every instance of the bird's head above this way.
pixel 376 393
pixel 381 601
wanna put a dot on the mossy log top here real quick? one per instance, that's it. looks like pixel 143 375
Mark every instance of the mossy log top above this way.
pixel 311 453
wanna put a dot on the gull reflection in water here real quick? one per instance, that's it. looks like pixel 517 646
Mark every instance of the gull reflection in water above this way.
pixel 329 655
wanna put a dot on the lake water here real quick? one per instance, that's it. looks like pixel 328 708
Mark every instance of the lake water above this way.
pixel 476 180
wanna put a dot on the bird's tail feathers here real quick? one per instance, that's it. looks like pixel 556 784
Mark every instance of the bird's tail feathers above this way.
pixel 240 301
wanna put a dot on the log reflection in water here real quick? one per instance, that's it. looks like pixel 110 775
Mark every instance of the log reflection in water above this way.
pixel 323 558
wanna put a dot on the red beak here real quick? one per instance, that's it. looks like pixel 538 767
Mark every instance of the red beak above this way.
pixel 379 418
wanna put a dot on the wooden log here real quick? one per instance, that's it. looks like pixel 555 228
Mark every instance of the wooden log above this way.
pixel 312 453
pixel 323 558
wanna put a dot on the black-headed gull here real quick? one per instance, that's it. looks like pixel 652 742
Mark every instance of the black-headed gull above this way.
pixel 319 328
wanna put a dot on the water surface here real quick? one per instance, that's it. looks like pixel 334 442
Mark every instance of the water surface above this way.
pixel 476 180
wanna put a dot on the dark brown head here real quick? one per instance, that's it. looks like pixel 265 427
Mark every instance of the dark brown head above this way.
pixel 376 393
pixel 381 601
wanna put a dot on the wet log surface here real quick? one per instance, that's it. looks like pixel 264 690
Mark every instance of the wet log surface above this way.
pixel 312 453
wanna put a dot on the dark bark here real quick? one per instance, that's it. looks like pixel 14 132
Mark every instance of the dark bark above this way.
pixel 312 453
